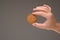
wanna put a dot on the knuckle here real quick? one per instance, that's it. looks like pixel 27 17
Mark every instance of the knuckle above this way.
pixel 50 15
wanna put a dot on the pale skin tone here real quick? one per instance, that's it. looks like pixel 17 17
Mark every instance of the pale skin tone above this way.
pixel 50 23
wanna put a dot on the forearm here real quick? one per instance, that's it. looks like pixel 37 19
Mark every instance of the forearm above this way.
pixel 57 28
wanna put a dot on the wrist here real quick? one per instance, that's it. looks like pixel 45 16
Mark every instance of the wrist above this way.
pixel 57 28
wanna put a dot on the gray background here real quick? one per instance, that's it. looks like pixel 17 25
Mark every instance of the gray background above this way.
pixel 13 24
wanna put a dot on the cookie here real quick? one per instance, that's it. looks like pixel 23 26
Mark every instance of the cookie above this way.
pixel 31 18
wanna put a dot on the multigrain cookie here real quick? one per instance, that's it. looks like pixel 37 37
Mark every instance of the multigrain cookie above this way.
pixel 31 18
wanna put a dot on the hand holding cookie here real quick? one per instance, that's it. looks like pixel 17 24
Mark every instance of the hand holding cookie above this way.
pixel 45 11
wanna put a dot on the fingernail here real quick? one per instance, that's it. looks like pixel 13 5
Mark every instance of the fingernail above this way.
pixel 44 5
pixel 34 24
pixel 33 13
pixel 34 9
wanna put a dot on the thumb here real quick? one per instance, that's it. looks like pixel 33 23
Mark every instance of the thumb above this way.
pixel 38 25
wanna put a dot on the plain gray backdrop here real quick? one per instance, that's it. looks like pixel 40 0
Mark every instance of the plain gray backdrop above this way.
pixel 13 24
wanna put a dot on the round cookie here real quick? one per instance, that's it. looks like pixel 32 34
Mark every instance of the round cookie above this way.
pixel 31 18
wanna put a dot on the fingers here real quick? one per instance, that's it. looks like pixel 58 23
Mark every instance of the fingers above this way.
pixel 40 13
pixel 44 8
pixel 44 11
pixel 39 25
pixel 47 6
pixel 41 8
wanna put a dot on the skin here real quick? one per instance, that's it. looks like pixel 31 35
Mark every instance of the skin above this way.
pixel 50 23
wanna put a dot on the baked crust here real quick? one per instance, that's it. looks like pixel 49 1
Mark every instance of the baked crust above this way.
pixel 31 18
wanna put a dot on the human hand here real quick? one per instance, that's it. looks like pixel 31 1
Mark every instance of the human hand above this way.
pixel 45 11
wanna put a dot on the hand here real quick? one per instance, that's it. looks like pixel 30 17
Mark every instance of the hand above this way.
pixel 45 11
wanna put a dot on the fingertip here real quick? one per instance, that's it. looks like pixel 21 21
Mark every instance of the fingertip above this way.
pixel 35 8
pixel 44 4
pixel 34 24
pixel 34 13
